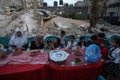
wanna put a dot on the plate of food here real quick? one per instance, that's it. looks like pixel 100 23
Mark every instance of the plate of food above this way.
pixel 77 60
pixel 58 55
pixel 33 53
pixel 77 53
pixel 17 52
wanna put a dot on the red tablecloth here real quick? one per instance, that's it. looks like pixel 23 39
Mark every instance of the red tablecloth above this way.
pixel 83 72
pixel 23 67
pixel 25 58
pixel 22 72
pixel 48 71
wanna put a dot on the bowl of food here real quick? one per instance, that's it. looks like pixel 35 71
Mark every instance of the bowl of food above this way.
pixel 77 60
pixel 33 53
pixel 17 52
pixel 77 53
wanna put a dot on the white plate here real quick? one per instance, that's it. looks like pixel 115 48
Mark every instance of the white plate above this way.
pixel 58 55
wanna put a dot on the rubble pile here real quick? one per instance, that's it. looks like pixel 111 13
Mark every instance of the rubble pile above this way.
pixel 30 27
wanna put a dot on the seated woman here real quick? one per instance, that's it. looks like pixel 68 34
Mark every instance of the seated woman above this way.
pixel 93 51
pixel 72 44
pixel 82 42
pixel 37 43
pixel 112 61
pixel 18 40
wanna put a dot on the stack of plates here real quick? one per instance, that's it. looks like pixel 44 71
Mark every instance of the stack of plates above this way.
pixel 58 55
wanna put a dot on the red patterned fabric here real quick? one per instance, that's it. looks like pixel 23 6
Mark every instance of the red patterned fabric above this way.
pixel 25 58
pixel 22 72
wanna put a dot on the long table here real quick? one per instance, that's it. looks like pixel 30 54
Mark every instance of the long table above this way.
pixel 41 68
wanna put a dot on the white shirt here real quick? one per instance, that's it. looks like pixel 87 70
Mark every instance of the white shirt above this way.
pixel 116 55
pixel 73 45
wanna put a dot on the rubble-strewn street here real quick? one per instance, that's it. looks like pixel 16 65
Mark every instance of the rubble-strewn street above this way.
pixel 53 26
pixel 30 26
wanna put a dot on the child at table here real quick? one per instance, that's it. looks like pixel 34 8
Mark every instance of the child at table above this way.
pixel 93 51
pixel 82 42
pixel 104 49
pixel 100 38
pixel 72 44
pixel 49 45
pixel 93 40
pixel 57 43
pixel 112 61
pixel 63 41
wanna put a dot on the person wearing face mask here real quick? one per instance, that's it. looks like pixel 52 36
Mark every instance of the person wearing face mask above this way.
pixel 18 40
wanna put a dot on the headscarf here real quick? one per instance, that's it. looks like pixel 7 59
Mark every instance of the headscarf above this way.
pixel 37 39
pixel 19 42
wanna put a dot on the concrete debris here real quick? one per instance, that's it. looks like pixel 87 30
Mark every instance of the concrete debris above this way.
pixel 31 27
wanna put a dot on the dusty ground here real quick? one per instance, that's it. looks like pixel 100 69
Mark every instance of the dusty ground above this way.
pixel 53 26
pixel 30 26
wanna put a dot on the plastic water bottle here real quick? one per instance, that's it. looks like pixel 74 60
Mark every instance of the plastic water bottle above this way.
pixel 73 63
pixel 85 60
pixel 83 46
pixel 28 49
